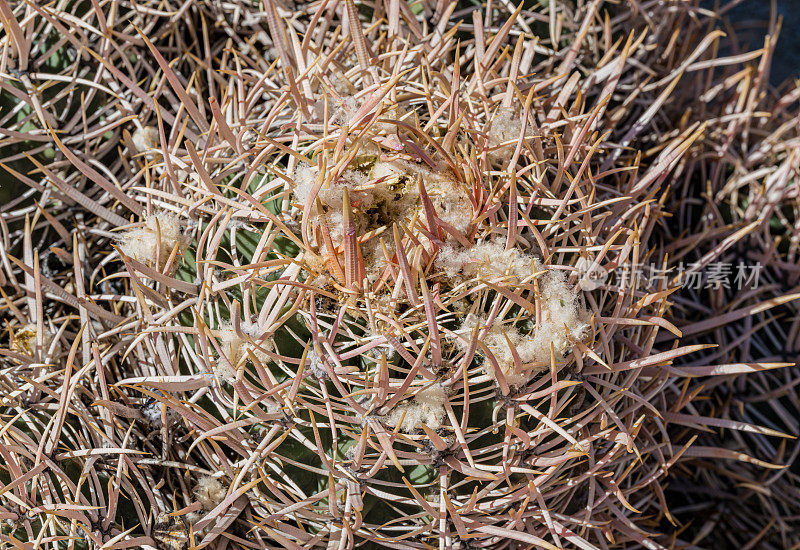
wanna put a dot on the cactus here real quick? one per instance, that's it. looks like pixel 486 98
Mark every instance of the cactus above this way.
pixel 749 230
pixel 325 277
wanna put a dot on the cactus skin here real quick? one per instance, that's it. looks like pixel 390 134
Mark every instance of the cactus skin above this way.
pixel 364 325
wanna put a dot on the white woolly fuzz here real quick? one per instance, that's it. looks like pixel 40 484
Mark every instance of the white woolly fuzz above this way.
pixel 374 259
pixel 304 177
pixel 314 364
pixel 233 350
pixel 505 127
pixel 153 243
pixel 145 138
pixel 381 194
pixel 372 198
pixel 151 412
pixel 330 194
pixel 562 318
pixel 342 110
pixel 341 83
pixel 427 407
pixel 388 171
pixel 450 198
pixel 562 321
pixel 236 351
pixel 384 191
pixel 345 109
pixel 389 112
pixel 488 259
pixel 335 223
pixel 209 492
pixel 395 193
pixel 192 518
pixel 500 340
pixel 453 207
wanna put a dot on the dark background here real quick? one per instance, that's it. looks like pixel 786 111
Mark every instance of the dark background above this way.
pixel 750 19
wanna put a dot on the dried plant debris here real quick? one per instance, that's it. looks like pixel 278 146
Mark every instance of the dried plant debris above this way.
pixel 317 275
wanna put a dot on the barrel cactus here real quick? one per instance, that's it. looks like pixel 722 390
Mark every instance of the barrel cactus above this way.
pixel 354 275
pixel 388 330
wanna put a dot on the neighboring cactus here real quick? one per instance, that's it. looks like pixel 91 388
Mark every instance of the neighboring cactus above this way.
pixel 351 313
pixel 738 229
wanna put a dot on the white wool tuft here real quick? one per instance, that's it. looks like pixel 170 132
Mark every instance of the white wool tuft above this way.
pixel 427 407
pixel 341 83
pixel 209 492
pixel 235 352
pixel 143 243
pixel 563 321
pixel 342 110
pixel 335 221
pixel 381 193
pixel 453 207
pixel 370 197
pixel 304 177
pixel 331 195
pixel 315 364
pixel 395 193
pixel 192 518
pixel 498 344
pixel 145 138
pixel 450 198
pixel 345 110
pixel 389 112
pixel 151 412
pixel 505 127
pixel 488 259
pixel 562 317
pixel 374 259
